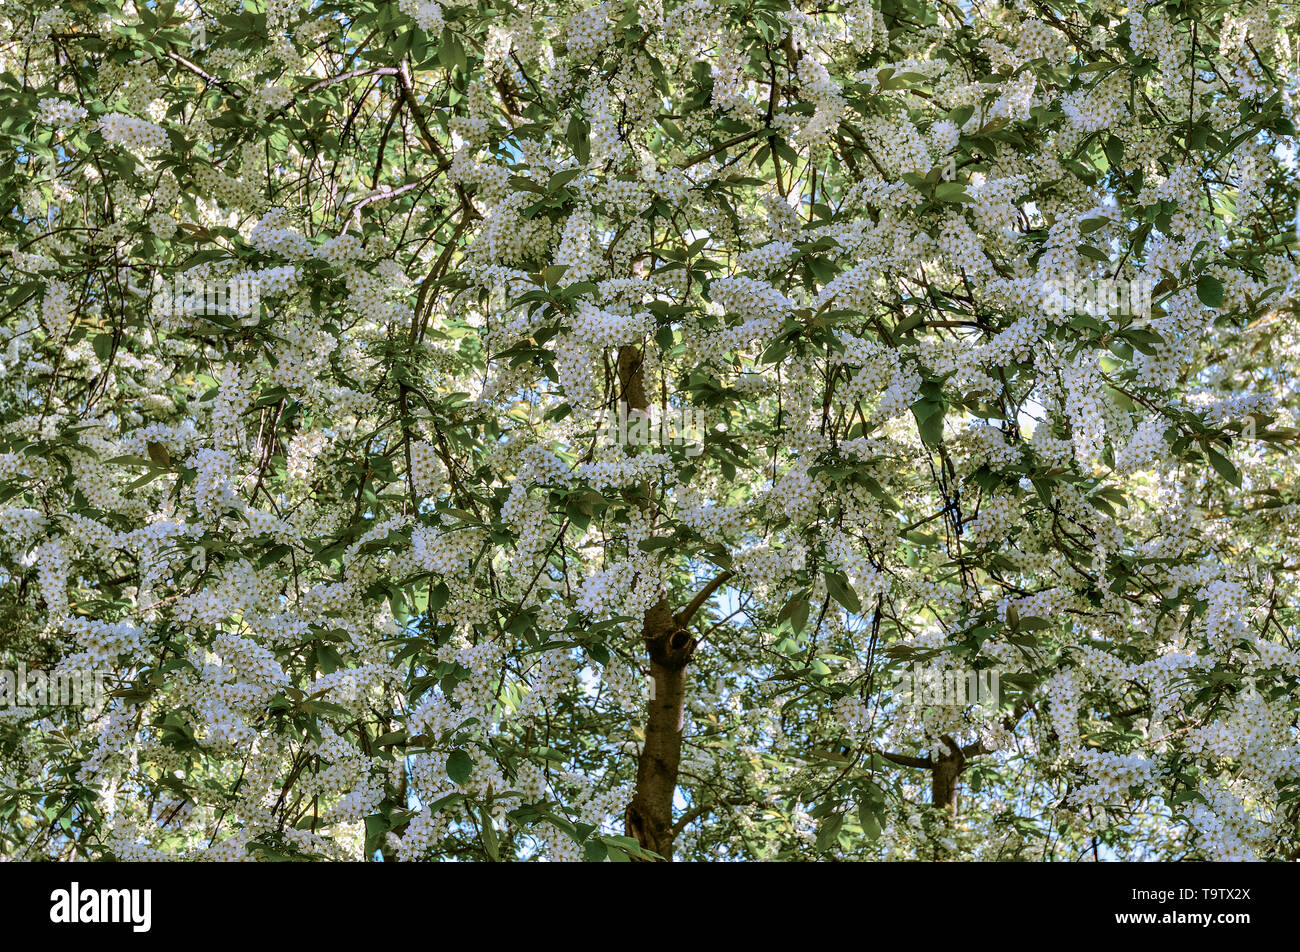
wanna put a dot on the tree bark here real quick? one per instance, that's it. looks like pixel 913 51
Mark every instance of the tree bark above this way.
pixel 649 817
pixel 947 767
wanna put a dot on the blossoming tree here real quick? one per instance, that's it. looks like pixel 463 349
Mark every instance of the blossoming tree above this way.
pixel 314 318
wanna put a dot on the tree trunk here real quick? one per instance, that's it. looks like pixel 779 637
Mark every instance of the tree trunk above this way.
pixel 948 766
pixel 649 817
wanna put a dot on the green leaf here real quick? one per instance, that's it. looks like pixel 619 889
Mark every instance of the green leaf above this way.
pixel 459 766
pixel 929 420
pixel 952 192
pixel 829 832
pixel 561 179
pixel 837 584
pixel 1114 149
pixel 1223 466
pixel 489 835
pixel 1210 290
pixel 867 817
pixel 577 135
pixel 961 114
pixel 799 615
pixel 551 274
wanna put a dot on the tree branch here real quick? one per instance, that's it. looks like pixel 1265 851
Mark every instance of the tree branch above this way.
pixel 684 616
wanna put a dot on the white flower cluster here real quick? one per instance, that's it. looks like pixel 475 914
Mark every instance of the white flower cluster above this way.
pixel 1225 613
pixel 749 296
pixel 816 85
pixel 998 515
pixel 1112 775
pixel 135 135
pixel 589 32
pixel 1064 695
pixel 1083 406
pixel 1146 446
pixel 796 494
pixel 766 258
pixel 576 251
pixel 427 14
pixel 270 98
pixel 60 113
pixel 624 471
pixel 446 553
pixel 597 327
pixel 1104 106
pixel 1226 829
pixel 273 234
pixel 990 446
pixel 56 309
pixel 427 470
pixel 244 192
pixel 340 250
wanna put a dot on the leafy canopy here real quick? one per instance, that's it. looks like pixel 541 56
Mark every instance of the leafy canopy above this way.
pixel 314 314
